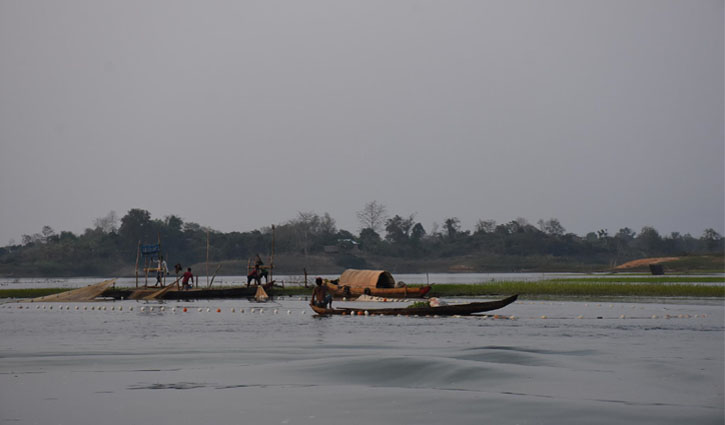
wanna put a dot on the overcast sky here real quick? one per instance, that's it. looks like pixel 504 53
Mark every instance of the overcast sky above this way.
pixel 239 114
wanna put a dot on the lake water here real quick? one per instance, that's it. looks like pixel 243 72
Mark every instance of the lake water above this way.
pixel 134 362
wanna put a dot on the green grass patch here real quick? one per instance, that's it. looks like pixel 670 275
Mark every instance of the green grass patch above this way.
pixel 578 288
pixel 293 290
pixel 643 279
pixel 30 293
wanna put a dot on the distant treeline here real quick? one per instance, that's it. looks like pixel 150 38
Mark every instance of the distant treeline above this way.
pixel 111 245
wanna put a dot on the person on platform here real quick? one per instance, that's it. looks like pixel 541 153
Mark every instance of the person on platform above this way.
pixel 185 279
pixel 161 271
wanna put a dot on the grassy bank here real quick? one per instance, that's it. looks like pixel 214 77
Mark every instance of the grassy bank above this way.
pixel 643 279
pixel 579 288
pixel 29 293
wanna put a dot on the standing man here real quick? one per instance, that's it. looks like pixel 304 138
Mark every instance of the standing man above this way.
pixel 320 296
pixel 161 272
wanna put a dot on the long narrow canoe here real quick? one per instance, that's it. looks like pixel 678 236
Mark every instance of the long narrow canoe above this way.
pixel 339 291
pixel 443 310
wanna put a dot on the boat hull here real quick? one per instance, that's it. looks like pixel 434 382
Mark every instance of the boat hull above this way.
pixel 191 294
pixel 443 310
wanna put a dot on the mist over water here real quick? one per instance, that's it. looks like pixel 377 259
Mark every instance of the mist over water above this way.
pixel 111 362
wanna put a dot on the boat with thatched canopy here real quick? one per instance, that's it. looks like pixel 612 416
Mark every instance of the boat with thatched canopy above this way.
pixel 377 283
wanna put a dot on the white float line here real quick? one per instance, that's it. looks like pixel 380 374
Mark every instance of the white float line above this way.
pixel 624 316
pixel 261 310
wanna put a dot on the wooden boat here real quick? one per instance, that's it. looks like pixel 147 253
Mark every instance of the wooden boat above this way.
pixel 190 294
pixel 443 310
pixel 377 283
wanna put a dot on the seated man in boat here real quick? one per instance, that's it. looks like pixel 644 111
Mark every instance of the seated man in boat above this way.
pixel 320 296
pixel 185 280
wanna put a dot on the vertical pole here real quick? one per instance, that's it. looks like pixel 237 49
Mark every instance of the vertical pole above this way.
pixel 138 251
pixel 207 257
pixel 271 261
pixel 248 270
pixel 305 250
pixel 163 278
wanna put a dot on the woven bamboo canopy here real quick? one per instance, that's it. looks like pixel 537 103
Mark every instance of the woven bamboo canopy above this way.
pixel 367 279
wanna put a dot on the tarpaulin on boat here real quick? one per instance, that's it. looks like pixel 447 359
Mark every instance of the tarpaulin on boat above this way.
pixel 367 279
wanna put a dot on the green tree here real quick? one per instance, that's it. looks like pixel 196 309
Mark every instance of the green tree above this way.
pixel 452 227
pixel 369 239
pixel 398 229
pixel 625 234
pixel 485 226
pixel 107 224
pixel 713 240
pixel 417 233
pixel 135 227
pixel 649 240
pixel 551 227
pixel 48 234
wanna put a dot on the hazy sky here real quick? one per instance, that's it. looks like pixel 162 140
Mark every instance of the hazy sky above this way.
pixel 239 114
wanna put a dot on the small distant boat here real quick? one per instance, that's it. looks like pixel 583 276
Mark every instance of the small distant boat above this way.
pixel 376 283
pixel 443 310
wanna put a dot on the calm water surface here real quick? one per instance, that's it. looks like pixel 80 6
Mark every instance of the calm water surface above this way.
pixel 595 363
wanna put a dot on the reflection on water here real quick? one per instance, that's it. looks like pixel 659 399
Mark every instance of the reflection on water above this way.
pixel 539 362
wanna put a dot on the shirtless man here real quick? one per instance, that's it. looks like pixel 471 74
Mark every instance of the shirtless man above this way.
pixel 320 296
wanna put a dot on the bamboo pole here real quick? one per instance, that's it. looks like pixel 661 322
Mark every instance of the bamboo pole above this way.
pixel 163 290
pixel 214 275
pixel 138 251
pixel 163 278
pixel 271 259
pixel 207 258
